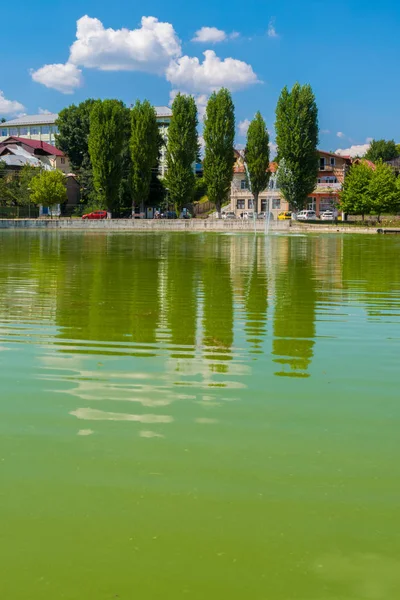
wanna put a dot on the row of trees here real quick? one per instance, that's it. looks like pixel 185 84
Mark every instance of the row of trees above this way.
pixel 370 191
pixel 115 150
pixel 31 185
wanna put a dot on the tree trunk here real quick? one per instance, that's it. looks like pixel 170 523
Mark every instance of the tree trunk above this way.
pixel 218 207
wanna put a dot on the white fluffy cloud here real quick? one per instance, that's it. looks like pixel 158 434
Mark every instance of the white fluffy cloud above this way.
pixel 148 48
pixel 213 73
pixel 209 34
pixel 64 78
pixel 271 31
pixel 243 127
pixel 44 111
pixel 154 48
pixel 9 107
pixel 340 134
pixel 357 150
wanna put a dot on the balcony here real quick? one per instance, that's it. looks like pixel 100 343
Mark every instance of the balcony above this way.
pixel 326 167
pixel 328 187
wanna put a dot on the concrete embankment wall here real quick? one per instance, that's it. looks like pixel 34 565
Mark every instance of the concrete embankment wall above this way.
pixel 138 225
pixel 141 225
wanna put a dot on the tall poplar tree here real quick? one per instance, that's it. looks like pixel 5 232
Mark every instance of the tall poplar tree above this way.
pixel 182 150
pixel 256 156
pixel 296 129
pixel 145 146
pixel 106 141
pixel 219 135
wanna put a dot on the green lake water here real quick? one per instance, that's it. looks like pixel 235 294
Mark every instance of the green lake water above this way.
pixel 199 416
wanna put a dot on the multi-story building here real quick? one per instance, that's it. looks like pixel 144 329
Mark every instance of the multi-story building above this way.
pixel 164 115
pixel 242 199
pixel 32 127
pixel 331 174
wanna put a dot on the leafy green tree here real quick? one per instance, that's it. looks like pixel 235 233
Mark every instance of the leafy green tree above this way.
pixel 106 143
pixel 355 198
pixel 182 150
pixel 383 192
pixel 15 186
pixel 73 125
pixel 382 150
pixel 145 144
pixel 257 157
pixel 297 139
pixel 219 135
pixel 48 188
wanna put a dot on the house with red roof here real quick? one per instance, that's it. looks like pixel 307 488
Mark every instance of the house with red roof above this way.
pixel 242 199
pixel 331 174
pixel 29 151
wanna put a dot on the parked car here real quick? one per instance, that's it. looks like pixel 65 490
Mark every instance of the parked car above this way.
pixel 307 215
pixel 248 215
pixel 284 216
pixel 97 214
pixel 328 215
pixel 228 215
pixel 169 214
pixel 262 215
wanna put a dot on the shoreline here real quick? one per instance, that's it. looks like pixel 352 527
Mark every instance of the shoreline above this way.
pixel 175 225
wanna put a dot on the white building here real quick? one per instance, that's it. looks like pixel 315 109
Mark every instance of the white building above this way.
pixel 43 128
pixel 32 127
pixel 164 115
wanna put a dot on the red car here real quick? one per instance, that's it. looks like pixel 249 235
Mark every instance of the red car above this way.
pixel 97 214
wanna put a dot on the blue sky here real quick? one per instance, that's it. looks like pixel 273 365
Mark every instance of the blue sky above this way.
pixel 347 50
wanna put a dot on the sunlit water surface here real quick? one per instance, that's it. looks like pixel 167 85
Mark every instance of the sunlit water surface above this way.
pixel 199 416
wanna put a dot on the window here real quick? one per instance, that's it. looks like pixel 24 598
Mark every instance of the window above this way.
pixel 240 204
pixel 250 204
pixel 243 184
pixel 263 205
pixel 271 184
pixel 55 129
pixel 4 132
pixel 23 131
pixel 45 129
pixel 276 202
pixel 62 160
pixel 326 204
pixel 332 161
pixel 13 130
pixel 322 163
pixel 35 131
pixel 311 204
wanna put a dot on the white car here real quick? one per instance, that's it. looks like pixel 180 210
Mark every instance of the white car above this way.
pixel 307 215
pixel 228 215
pixel 328 215
pixel 248 215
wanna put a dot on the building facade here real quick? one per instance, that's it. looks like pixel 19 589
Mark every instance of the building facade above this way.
pixel 33 127
pixel 270 200
pixel 164 115
pixel 331 174
pixel 34 152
